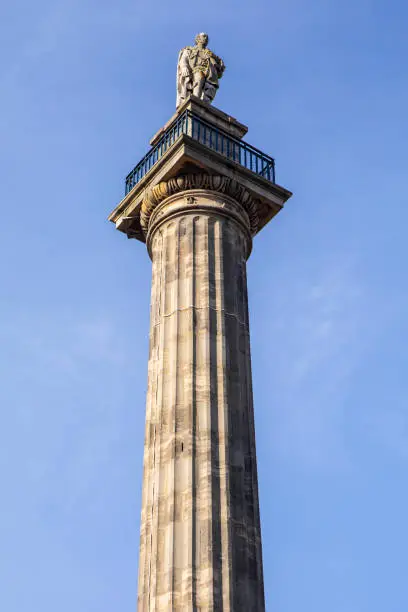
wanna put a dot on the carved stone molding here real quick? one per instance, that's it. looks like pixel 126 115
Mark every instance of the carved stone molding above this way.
pixel 208 182
pixel 198 203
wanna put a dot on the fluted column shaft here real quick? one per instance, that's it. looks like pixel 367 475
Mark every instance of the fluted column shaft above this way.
pixel 200 546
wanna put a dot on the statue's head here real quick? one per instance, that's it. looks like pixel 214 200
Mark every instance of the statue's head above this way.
pixel 202 39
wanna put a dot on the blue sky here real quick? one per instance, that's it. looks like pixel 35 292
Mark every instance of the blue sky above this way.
pixel 323 87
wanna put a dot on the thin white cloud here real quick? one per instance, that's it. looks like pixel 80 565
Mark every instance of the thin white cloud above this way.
pixel 387 425
pixel 318 339
pixel 70 378
pixel 63 344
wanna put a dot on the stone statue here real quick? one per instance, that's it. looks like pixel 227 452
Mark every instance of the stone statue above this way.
pixel 198 71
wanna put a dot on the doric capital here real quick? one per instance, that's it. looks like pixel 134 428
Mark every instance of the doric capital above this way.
pixel 203 182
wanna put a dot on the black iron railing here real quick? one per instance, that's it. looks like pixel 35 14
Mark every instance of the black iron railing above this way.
pixel 214 138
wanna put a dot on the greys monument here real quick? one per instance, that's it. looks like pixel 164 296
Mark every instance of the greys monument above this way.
pixel 197 199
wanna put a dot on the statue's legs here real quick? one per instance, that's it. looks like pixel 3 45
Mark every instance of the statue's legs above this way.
pixel 198 85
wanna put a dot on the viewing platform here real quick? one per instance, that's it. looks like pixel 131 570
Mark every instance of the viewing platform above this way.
pixel 191 125
pixel 200 138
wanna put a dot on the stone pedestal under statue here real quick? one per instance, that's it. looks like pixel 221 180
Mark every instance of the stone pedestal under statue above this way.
pixel 198 207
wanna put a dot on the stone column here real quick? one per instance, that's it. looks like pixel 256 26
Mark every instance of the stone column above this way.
pixel 200 547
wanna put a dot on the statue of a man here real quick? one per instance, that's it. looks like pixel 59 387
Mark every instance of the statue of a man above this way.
pixel 198 71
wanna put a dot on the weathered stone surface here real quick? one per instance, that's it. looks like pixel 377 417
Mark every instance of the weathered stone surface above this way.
pixel 198 210
pixel 198 71
pixel 210 182
pixel 200 547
